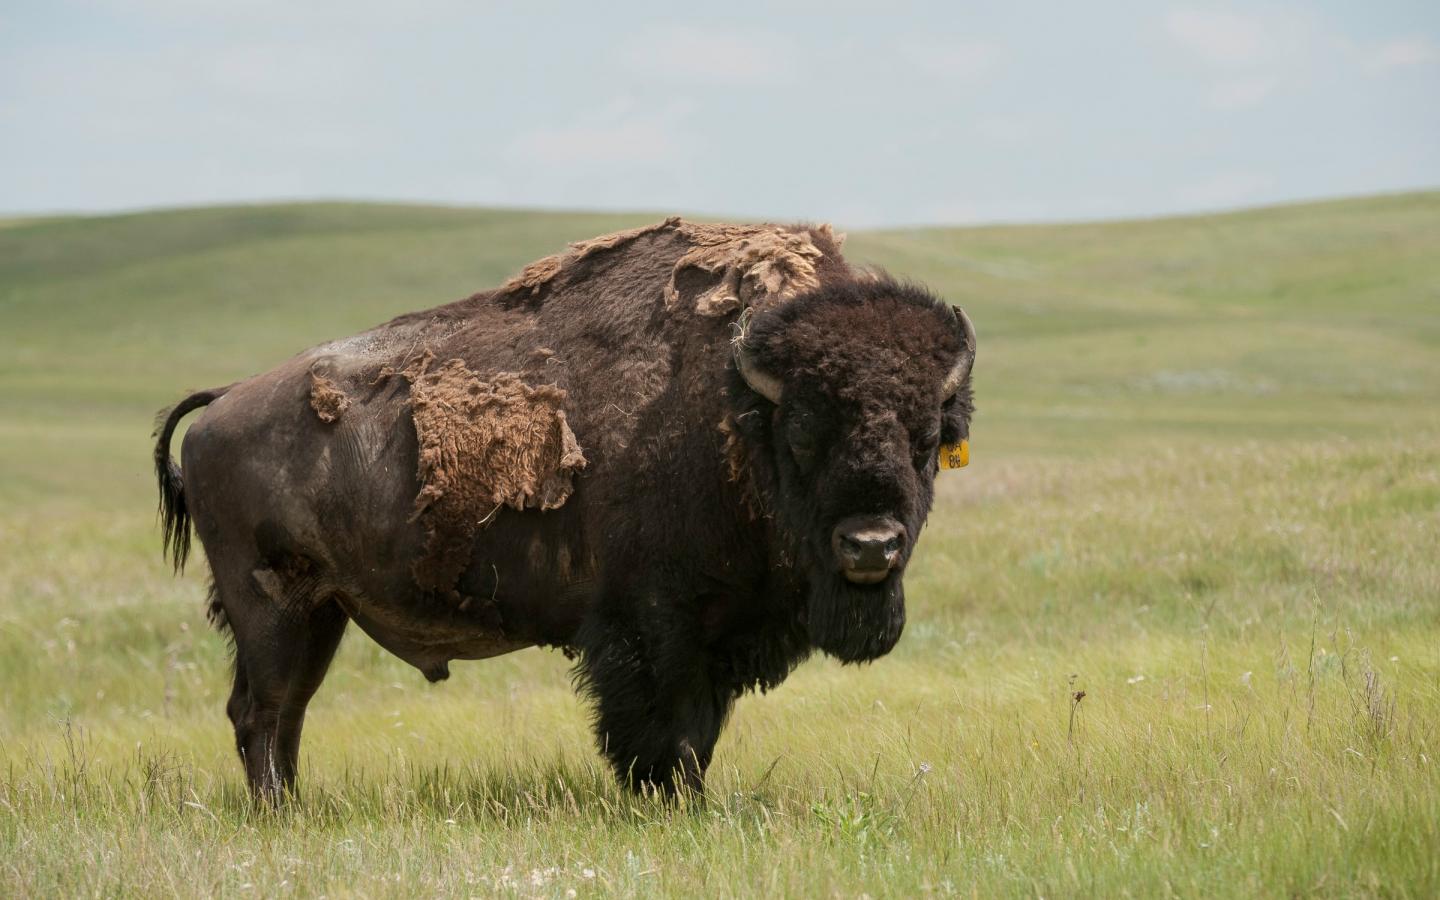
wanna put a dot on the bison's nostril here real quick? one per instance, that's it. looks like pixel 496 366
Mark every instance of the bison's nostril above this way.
pixel 868 544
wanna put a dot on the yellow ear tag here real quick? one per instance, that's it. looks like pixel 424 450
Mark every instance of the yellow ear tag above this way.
pixel 955 456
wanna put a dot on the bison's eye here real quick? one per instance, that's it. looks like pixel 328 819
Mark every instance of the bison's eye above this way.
pixel 802 443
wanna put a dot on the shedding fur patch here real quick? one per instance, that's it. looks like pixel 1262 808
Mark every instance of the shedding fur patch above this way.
pixel 326 398
pixel 484 444
pixel 753 263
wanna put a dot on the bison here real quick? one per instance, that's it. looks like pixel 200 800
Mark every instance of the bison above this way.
pixel 688 455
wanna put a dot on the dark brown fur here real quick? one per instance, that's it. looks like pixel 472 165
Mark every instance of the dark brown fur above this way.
pixel 690 561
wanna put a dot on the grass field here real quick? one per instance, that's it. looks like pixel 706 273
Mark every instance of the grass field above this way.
pixel 1205 491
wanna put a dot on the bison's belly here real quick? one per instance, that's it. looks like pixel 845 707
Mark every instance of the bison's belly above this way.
pixel 428 636
pixel 527 583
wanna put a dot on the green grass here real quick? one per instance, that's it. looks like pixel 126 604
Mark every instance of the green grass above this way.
pixel 1205 491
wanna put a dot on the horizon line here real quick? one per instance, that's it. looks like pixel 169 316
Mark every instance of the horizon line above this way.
pixel 20 218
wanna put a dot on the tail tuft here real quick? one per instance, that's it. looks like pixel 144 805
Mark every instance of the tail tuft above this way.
pixel 173 514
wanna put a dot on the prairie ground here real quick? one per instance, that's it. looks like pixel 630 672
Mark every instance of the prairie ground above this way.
pixel 1204 500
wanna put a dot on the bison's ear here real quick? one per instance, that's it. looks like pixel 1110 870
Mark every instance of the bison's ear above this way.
pixel 760 381
pixel 961 369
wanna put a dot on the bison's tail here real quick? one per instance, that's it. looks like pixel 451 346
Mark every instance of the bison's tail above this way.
pixel 174 516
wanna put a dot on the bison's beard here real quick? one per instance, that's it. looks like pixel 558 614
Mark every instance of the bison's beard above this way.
pixel 856 623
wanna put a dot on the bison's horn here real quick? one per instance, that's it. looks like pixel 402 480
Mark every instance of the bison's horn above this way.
pixel 760 381
pixel 967 356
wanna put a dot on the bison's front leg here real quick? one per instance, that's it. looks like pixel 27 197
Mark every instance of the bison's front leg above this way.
pixel 658 711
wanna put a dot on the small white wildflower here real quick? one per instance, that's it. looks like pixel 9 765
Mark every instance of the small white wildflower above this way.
pixel 588 873
pixel 1136 679
pixel 1245 679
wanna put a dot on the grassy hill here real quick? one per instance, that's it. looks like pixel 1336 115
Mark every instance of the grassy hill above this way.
pixel 1204 491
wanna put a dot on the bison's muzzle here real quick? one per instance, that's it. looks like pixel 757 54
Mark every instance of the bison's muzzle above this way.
pixel 867 547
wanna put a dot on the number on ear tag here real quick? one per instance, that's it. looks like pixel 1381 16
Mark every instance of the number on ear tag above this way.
pixel 955 456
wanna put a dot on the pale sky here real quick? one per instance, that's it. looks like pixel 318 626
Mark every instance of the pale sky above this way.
pixel 861 114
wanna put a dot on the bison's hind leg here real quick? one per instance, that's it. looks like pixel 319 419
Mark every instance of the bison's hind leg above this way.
pixel 286 628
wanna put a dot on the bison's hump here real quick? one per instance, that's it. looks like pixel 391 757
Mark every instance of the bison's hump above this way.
pixel 740 266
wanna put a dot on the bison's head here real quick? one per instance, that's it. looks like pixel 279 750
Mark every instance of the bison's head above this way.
pixel 845 396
